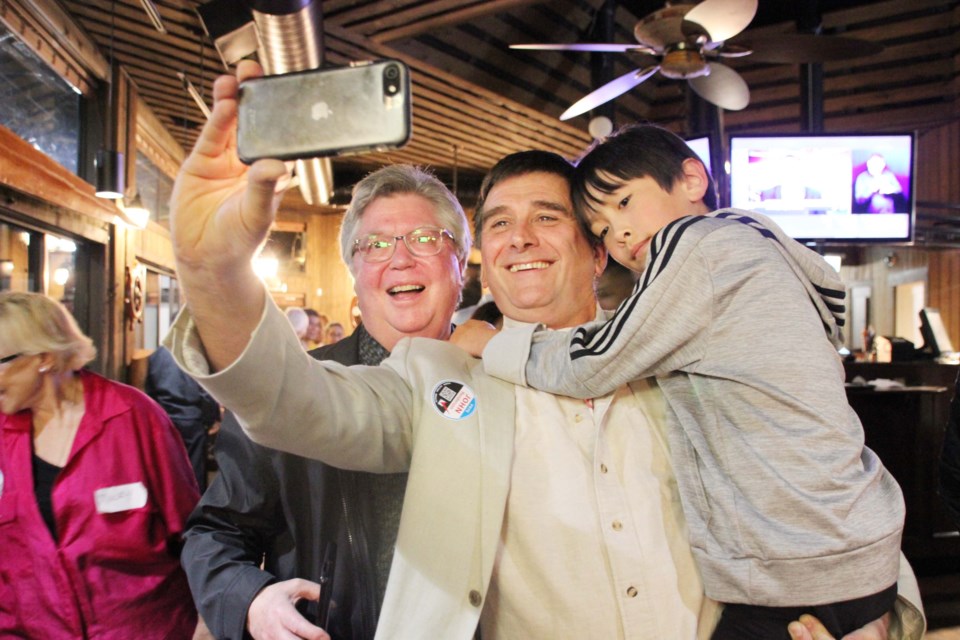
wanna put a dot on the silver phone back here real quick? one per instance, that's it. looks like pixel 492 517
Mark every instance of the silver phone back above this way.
pixel 323 113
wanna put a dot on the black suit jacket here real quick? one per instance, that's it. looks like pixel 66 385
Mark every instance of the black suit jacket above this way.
pixel 284 509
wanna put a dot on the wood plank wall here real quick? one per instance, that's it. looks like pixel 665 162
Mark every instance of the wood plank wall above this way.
pixel 325 283
pixel 938 192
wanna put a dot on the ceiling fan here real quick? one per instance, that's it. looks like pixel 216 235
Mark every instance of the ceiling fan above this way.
pixel 687 42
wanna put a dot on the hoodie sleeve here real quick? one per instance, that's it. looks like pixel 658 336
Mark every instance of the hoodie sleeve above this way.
pixel 661 327
pixel 721 294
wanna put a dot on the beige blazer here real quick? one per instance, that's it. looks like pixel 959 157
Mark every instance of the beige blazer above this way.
pixel 391 418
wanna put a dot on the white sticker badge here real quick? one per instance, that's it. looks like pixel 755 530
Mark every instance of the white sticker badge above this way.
pixel 122 497
pixel 454 400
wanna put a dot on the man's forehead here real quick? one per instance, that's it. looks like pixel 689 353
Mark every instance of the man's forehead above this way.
pixel 402 209
pixel 539 189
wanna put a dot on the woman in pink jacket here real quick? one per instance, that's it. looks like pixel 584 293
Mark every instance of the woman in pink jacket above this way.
pixel 95 486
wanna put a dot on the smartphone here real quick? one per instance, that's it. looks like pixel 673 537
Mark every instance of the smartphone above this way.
pixel 325 112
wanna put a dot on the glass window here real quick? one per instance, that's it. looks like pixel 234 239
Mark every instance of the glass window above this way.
pixel 38 105
pixel 60 269
pixel 154 187
pixel 36 261
pixel 160 308
pixel 15 260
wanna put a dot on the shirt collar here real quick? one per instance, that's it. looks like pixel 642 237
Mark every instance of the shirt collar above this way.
pixel 510 323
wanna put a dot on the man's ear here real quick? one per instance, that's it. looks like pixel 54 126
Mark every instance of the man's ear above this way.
pixel 600 256
pixel 694 180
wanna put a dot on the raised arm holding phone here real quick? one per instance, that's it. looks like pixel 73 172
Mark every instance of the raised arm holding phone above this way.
pixel 223 210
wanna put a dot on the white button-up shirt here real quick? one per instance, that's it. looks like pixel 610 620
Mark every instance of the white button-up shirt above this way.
pixel 594 543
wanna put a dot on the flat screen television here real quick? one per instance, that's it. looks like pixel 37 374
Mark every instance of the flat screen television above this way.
pixel 701 146
pixel 828 188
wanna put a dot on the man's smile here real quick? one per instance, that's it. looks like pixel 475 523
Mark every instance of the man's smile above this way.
pixel 405 288
pixel 528 266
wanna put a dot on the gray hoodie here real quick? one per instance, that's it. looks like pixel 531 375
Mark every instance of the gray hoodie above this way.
pixel 739 323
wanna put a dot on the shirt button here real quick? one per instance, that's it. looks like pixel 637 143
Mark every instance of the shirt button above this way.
pixel 578 418
pixel 632 592
pixel 475 598
pixel 617 525
pixel 603 468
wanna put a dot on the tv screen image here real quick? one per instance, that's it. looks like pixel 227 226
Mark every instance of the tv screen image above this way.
pixel 842 188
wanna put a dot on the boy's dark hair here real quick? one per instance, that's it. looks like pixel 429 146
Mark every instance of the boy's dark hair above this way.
pixel 634 151
pixel 518 164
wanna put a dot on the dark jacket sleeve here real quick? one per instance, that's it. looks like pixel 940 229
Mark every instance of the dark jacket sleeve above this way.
pixel 950 459
pixel 181 397
pixel 239 513
pixel 238 516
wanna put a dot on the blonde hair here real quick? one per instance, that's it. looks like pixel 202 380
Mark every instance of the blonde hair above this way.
pixel 32 323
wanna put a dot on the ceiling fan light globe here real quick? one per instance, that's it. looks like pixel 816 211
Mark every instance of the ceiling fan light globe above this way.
pixel 683 64
pixel 600 127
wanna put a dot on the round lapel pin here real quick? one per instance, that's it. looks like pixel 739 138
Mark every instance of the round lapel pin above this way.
pixel 454 400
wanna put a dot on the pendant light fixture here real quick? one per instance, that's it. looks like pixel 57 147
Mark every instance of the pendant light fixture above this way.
pixel 108 162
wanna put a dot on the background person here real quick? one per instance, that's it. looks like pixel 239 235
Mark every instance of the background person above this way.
pixel 877 190
pixel 95 489
pixel 300 322
pixel 315 329
pixel 288 510
pixel 334 333
pixel 192 410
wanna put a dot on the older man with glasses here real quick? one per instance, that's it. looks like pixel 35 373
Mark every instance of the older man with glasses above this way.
pixel 405 240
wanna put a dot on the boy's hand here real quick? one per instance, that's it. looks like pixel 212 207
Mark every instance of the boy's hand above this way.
pixel 809 628
pixel 472 336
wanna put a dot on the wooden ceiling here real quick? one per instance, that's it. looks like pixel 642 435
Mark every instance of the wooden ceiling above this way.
pixel 476 100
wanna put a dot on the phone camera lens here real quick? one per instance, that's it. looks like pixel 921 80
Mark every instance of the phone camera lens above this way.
pixel 391 80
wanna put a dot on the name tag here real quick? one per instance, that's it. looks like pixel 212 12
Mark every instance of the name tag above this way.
pixel 122 497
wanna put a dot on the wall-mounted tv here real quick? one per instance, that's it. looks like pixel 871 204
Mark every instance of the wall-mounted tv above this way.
pixel 828 188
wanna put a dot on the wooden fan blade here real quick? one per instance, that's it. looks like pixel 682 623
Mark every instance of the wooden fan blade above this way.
pixel 608 92
pixel 586 46
pixel 722 19
pixel 723 87
pixel 793 48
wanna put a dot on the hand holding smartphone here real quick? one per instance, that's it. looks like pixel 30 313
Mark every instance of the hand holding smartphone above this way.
pixel 325 112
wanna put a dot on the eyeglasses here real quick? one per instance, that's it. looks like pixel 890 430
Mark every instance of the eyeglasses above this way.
pixel 423 242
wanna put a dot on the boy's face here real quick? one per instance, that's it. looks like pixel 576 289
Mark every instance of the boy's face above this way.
pixel 628 218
